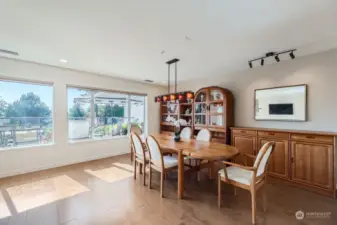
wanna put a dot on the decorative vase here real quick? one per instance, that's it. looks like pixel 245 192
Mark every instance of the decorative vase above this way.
pixel 177 138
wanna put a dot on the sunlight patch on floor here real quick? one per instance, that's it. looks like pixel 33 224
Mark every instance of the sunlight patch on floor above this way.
pixel 31 195
pixel 4 211
pixel 111 174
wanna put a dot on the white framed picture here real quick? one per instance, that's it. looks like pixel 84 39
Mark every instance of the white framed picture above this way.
pixel 287 103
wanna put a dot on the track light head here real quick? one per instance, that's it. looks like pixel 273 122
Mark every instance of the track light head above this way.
pixel 277 58
pixel 250 64
pixel 292 55
pixel 262 62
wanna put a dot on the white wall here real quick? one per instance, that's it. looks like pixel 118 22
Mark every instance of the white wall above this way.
pixel 318 71
pixel 28 159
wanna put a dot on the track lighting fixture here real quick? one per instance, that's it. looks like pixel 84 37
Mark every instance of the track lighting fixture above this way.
pixel 292 55
pixel 277 58
pixel 273 54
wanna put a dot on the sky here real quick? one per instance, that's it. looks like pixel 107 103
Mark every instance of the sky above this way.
pixel 12 91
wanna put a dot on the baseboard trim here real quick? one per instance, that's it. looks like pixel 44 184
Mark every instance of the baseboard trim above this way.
pixel 46 167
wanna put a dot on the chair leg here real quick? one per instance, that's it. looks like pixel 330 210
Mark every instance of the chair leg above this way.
pixel 198 170
pixel 134 168
pixel 253 193
pixel 264 198
pixel 140 168
pixel 162 174
pixel 131 154
pixel 219 191
pixel 144 174
pixel 150 176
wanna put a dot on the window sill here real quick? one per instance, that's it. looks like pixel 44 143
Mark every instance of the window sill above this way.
pixel 98 139
pixel 26 147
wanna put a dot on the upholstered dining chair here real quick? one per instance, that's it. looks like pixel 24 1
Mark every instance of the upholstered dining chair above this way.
pixel 140 156
pixel 203 135
pixel 186 133
pixel 159 162
pixel 137 130
pixel 249 178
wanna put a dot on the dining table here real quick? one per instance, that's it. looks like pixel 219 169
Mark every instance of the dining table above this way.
pixel 203 150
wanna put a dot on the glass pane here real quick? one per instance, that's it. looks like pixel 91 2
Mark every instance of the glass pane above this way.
pixel 79 125
pixel 200 108
pixel 111 110
pixel 216 95
pixel 137 116
pixel 172 108
pixel 25 114
pixel 200 119
pixel 216 108
pixel 201 97
pixel 216 120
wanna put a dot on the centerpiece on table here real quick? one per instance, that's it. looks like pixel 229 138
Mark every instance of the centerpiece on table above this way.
pixel 177 129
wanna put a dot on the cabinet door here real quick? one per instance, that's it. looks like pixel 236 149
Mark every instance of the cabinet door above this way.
pixel 278 164
pixel 246 145
pixel 312 164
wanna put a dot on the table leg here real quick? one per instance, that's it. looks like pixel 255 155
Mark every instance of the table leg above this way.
pixel 211 170
pixel 180 175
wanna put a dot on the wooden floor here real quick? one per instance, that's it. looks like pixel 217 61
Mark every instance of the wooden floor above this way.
pixel 104 192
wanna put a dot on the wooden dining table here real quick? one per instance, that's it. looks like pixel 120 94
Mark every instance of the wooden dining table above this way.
pixel 212 151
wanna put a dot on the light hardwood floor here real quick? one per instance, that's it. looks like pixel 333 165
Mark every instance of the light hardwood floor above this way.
pixel 104 192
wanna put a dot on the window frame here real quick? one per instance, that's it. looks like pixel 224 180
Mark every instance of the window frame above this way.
pixel 41 83
pixel 129 94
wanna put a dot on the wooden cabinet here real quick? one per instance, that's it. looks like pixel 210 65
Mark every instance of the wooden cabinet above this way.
pixel 245 144
pixel 312 164
pixel 303 158
pixel 214 110
pixel 278 164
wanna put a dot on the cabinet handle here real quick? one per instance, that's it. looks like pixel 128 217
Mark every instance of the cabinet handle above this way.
pixel 292 160
pixel 310 137
pixel 243 131
pixel 271 133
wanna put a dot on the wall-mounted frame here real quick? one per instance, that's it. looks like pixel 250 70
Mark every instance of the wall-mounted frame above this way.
pixel 286 103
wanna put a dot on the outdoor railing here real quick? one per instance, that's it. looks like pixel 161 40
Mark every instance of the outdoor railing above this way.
pixel 25 130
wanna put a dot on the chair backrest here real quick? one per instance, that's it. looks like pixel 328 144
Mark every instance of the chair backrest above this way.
pixel 156 156
pixel 137 145
pixel 204 135
pixel 186 133
pixel 262 158
pixel 136 129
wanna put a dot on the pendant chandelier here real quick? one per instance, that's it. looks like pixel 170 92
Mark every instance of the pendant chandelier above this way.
pixel 175 97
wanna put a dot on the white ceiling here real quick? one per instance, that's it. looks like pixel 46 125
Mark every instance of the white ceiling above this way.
pixel 125 38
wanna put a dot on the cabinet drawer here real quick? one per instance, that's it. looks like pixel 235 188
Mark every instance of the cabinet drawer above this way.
pixel 312 138
pixel 273 134
pixel 244 132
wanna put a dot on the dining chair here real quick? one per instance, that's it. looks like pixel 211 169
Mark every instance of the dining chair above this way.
pixel 159 162
pixel 137 130
pixel 246 177
pixel 186 133
pixel 203 135
pixel 139 156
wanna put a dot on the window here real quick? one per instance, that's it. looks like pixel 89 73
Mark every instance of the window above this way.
pixel 95 114
pixel 25 114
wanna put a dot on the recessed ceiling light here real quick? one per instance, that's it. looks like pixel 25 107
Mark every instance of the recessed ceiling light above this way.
pixel 188 38
pixel 149 81
pixel 63 61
